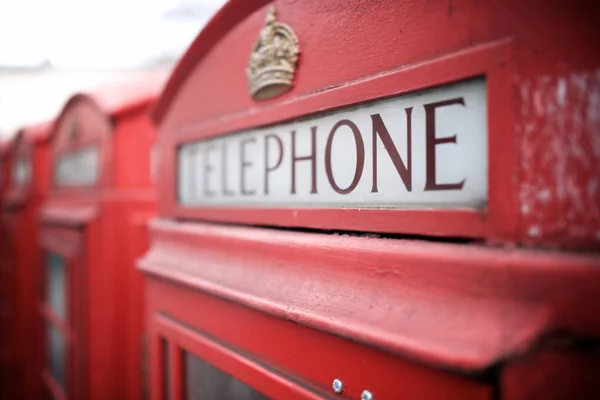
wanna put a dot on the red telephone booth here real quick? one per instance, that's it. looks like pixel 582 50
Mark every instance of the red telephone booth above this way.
pixel 93 226
pixel 4 276
pixel 380 200
pixel 3 166
pixel 26 187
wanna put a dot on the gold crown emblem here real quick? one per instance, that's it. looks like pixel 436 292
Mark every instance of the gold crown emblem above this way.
pixel 73 129
pixel 273 60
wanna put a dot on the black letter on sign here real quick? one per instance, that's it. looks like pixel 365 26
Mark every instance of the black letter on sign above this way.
pixel 312 157
pixel 244 164
pixel 432 141
pixel 193 152
pixel 207 170
pixel 269 168
pixel 405 172
pixel 224 189
pixel 360 156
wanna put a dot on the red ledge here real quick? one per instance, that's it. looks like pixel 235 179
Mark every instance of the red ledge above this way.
pixel 68 214
pixel 462 307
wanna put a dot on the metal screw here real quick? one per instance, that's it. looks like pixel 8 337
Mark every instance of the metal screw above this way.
pixel 338 386
pixel 366 395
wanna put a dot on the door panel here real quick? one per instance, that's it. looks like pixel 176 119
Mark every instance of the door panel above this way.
pixel 63 311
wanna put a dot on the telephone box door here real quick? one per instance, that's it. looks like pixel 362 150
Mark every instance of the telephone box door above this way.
pixel 63 311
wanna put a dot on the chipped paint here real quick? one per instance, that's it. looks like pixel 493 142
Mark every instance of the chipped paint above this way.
pixel 534 231
pixel 559 147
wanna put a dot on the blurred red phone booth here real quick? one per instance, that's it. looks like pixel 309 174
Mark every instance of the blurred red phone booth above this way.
pixel 27 164
pixel 4 277
pixel 4 271
pixel 93 226
pixel 4 146
pixel 346 190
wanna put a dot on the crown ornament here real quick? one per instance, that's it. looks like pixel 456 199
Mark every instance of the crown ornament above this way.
pixel 73 130
pixel 272 63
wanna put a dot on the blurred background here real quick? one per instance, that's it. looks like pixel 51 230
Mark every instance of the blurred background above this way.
pixel 52 48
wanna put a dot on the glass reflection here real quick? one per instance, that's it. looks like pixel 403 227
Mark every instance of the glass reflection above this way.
pixel 203 381
pixel 56 347
pixel 56 284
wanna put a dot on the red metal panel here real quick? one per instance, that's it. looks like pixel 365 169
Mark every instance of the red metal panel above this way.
pixel 451 305
pixel 183 339
pixel 492 61
pixel 157 384
pixel 553 373
pixel 175 373
pixel 264 352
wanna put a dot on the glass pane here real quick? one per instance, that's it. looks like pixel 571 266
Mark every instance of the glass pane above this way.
pixel 55 284
pixel 203 381
pixel 56 348
pixel 21 172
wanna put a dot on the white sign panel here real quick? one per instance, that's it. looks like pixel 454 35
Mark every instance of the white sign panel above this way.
pixel 79 168
pixel 423 150
pixel 21 173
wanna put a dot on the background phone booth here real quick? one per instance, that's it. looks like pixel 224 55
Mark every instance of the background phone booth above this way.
pixel 26 187
pixel 5 287
pixel 93 226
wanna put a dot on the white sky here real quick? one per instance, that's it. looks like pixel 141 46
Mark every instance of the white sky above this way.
pixel 86 41
pixel 96 33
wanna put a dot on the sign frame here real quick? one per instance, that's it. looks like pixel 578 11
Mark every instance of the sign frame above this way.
pixel 69 142
pixel 88 143
pixel 496 222
pixel 93 149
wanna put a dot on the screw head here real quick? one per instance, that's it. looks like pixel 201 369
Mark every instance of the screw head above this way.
pixel 338 386
pixel 366 395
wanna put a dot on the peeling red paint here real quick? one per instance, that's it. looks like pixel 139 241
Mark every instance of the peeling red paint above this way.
pixel 559 146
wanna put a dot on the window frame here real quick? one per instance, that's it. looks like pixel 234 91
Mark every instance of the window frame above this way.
pixel 182 339
pixel 50 318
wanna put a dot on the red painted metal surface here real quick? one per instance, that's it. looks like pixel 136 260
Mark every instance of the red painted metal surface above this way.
pixel 484 60
pixel 20 262
pixel 101 228
pixel 451 305
pixel 563 369
pixel 542 78
pixel 287 311
pixel 5 286
pixel 285 360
